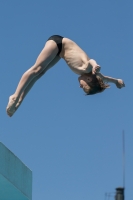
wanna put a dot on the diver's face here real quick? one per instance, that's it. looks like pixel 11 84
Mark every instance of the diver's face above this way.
pixel 84 81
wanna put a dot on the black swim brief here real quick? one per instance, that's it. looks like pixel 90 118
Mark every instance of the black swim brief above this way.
pixel 58 40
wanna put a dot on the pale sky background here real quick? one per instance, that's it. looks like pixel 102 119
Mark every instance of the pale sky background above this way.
pixel 71 142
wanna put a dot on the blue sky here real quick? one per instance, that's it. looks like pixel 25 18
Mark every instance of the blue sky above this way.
pixel 71 142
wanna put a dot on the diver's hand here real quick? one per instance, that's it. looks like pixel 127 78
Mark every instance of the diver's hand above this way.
pixel 96 69
pixel 120 83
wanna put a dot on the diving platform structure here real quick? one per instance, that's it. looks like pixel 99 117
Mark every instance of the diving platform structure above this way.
pixel 15 177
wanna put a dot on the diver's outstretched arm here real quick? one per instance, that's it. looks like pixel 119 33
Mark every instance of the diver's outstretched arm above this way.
pixel 118 82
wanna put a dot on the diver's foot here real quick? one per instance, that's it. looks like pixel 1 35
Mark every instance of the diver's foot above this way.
pixel 10 109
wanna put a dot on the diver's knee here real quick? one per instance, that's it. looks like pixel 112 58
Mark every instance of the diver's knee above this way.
pixel 36 70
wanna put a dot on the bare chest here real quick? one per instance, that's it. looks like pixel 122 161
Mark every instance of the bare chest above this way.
pixel 74 56
pixel 76 59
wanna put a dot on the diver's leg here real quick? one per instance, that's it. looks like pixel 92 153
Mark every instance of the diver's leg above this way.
pixel 28 88
pixel 48 53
